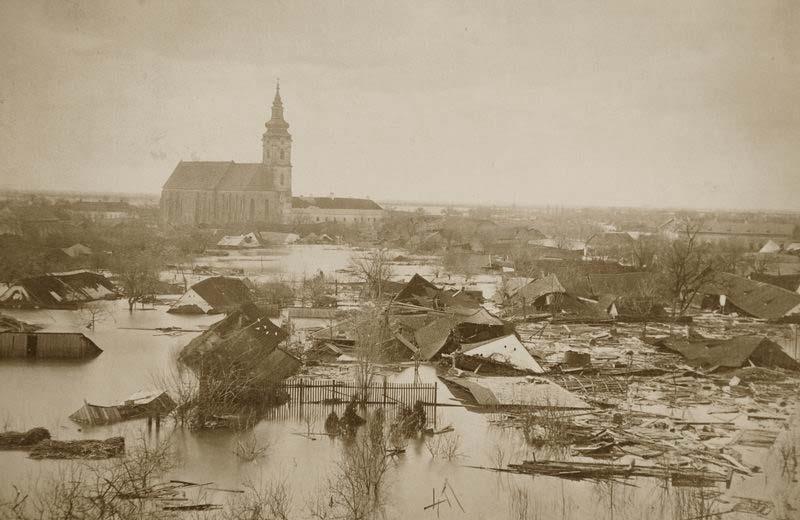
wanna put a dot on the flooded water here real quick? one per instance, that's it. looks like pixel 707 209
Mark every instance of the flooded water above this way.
pixel 43 393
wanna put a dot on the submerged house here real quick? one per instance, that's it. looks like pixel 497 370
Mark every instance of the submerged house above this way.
pixel 58 291
pixel 249 240
pixel 731 293
pixel 47 345
pixel 213 295
pixel 154 403
pixel 245 345
pixel 277 238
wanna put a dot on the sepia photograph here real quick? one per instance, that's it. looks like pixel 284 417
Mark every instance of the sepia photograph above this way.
pixel 387 260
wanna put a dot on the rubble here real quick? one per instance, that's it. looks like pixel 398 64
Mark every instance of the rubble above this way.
pixel 79 449
pixel 11 440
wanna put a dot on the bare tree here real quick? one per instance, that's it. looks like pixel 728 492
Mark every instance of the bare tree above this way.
pixel 315 290
pixel 138 276
pixel 91 313
pixel 374 270
pixel 644 301
pixel 371 331
pixel 643 251
pixel 686 265
pixel 357 485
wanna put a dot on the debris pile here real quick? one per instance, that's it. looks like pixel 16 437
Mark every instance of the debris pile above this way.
pixel 79 449
pixel 11 440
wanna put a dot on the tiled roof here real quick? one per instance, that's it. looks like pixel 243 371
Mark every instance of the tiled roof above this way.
pixel 334 203
pixel 221 292
pixel 222 175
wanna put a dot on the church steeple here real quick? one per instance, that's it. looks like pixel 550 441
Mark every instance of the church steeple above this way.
pixel 277 125
pixel 277 149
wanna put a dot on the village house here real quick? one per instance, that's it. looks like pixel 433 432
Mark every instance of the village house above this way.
pixel 57 291
pixel 99 210
pixel 755 234
pixel 213 295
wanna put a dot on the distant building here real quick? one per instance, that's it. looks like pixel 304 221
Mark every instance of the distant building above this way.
pixel 97 210
pixel 755 234
pixel 310 210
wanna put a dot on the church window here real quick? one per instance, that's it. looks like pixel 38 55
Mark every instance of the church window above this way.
pixel 281 154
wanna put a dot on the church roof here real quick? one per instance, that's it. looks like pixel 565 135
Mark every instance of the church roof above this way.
pixel 220 175
pixel 334 203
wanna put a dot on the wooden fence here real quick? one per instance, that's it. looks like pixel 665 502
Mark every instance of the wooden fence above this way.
pixel 337 393
pixel 321 391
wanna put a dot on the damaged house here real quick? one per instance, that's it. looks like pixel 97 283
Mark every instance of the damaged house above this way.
pixel 547 295
pixel 421 293
pixel 422 321
pixel 238 361
pixel 58 290
pixel 214 295
pixel 447 331
pixel 729 293
pixel 505 355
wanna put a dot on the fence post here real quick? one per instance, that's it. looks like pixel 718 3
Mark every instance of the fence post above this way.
pixel 302 386
pixel 384 391
pixel 435 400
pixel 333 391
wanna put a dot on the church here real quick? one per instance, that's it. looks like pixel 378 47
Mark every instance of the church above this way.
pixel 220 193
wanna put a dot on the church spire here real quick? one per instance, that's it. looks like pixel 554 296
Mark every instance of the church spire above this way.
pixel 277 124
pixel 277 101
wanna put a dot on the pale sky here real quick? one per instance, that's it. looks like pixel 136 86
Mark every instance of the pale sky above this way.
pixel 654 103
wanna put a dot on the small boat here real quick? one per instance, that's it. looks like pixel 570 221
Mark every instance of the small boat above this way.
pixel 141 404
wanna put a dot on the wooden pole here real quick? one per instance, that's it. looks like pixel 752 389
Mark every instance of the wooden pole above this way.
pixel 435 399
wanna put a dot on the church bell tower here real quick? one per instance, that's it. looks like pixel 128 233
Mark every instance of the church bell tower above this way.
pixel 277 146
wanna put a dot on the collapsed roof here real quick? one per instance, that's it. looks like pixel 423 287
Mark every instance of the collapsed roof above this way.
pixel 506 350
pixel 755 298
pixel 244 344
pixel 58 290
pixel 514 392
pixel 712 354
